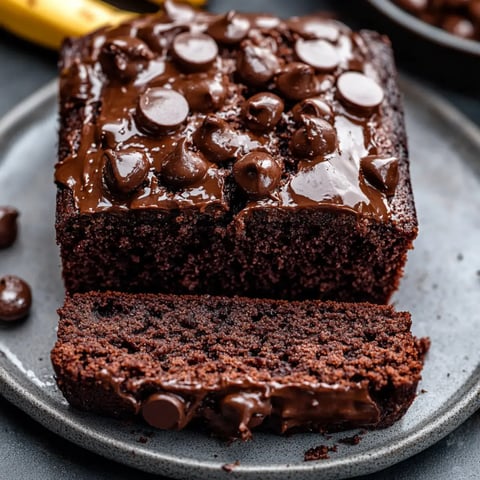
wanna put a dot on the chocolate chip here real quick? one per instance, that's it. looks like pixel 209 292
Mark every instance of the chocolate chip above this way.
pixel 229 29
pixel 257 65
pixel 8 226
pixel 194 52
pixel 183 167
pixel 297 81
pixel 159 36
pixel 359 91
pixel 315 27
pixel 316 137
pixel 178 12
pixel 165 411
pixel 257 173
pixel 459 26
pixel 215 139
pixel 124 57
pixel 15 298
pixel 319 54
pixel 314 107
pixel 203 92
pixel 263 111
pixel 160 110
pixel 381 172
pixel 125 170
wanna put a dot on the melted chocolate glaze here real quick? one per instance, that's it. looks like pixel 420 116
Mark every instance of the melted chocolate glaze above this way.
pixel 194 93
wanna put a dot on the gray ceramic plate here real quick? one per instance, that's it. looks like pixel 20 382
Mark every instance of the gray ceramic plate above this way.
pixel 441 288
pixel 429 32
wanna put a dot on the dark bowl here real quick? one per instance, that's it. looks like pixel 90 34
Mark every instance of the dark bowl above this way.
pixel 429 32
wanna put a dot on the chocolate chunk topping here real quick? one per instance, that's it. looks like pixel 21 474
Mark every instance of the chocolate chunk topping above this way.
pixel 125 170
pixel 263 111
pixel 359 91
pixel 124 57
pixel 320 54
pixel 314 107
pixel 160 110
pixel 316 137
pixel 8 226
pixel 315 27
pixel 229 29
pixel 215 139
pixel 178 12
pixel 164 410
pixel 297 81
pixel 203 92
pixel 15 298
pixel 381 172
pixel 258 173
pixel 257 65
pixel 183 167
pixel 194 52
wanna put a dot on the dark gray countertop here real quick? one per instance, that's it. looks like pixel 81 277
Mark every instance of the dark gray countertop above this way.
pixel 31 452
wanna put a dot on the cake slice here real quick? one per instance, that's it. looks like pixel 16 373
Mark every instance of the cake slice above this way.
pixel 236 364
pixel 230 155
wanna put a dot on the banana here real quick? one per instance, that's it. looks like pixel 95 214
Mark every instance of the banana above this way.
pixel 48 22
pixel 195 3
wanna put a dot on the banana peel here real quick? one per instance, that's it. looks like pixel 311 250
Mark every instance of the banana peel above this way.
pixel 48 22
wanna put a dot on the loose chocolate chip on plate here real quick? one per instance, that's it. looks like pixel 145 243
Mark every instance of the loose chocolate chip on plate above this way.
pixel 15 298
pixel 8 226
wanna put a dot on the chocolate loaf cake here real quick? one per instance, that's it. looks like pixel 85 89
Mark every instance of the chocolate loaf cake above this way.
pixel 233 154
pixel 237 364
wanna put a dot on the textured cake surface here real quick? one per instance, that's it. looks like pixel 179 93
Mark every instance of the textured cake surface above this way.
pixel 233 154
pixel 237 363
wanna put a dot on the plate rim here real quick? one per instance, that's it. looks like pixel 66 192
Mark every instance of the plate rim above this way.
pixel 454 412
pixel 429 32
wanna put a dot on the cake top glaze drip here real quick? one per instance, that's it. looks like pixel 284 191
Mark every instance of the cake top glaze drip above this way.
pixel 188 109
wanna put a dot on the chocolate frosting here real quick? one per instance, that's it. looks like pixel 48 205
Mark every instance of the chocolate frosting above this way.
pixel 172 102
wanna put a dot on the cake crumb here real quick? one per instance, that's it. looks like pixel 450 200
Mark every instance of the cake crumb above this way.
pixel 423 391
pixel 355 440
pixel 228 467
pixel 321 452
pixel 460 257
pixel 142 440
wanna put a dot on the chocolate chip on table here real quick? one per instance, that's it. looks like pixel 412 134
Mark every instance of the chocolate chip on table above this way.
pixel 161 110
pixel 8 226
pixel 15 298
